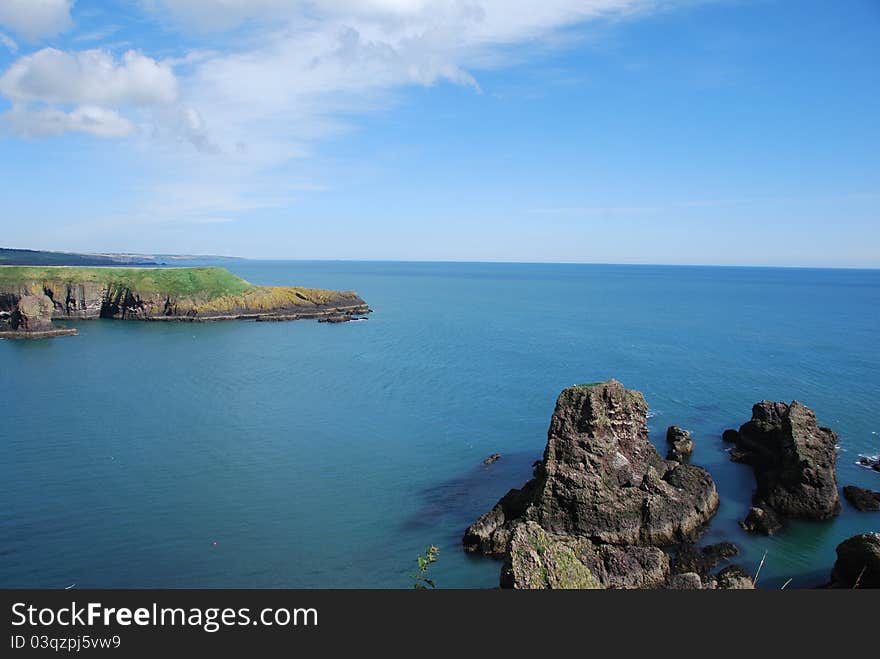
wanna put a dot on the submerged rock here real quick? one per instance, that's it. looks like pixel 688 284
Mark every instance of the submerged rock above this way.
pixel 862 499
pixel 703 560
pixel 761 520
pixel 858 562
pixel 681 446
pixel 732 578
pixel 492 458
pixel 870 462
pixel 602 481
pixel 794 461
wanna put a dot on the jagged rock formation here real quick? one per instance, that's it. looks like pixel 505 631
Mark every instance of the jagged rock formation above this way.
pixel 858 562
pixel 603 492
pixel 681 446
pixel 794 461
pixel 862 498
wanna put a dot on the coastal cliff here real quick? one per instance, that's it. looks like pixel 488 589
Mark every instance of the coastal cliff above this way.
pixel 163 294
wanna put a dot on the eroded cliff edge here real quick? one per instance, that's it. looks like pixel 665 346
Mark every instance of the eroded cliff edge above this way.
pixel 170 294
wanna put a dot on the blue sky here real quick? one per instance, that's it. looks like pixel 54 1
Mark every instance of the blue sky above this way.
pixel 617 131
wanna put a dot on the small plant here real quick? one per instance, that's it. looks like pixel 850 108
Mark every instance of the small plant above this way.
pixel 422 582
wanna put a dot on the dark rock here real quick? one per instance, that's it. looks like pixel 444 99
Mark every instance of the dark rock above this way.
pixel 870 461
pixel 689 558
pixel 761 520
pixel 490 534
pixel 492 458
pixel 736 455
pixel 858 562
pixel 794 460
pixel 730 435
pixel 681 446
pixel 336 318
pixel 862 498
pixel 732 578
pixel 625 566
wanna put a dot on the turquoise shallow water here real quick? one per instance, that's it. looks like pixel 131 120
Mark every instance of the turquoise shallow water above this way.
pixel 306 455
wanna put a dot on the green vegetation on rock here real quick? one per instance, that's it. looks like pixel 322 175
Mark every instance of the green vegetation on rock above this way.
pixel 539 561
pixel 205 282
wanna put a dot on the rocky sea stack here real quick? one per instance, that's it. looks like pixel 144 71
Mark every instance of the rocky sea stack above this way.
pixel 601 495
pixel 794 460
pixel 29 316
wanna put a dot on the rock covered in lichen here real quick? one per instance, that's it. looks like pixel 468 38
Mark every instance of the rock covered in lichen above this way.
pixel 537 560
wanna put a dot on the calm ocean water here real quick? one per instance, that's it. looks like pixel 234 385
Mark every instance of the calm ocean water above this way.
pixel 307 455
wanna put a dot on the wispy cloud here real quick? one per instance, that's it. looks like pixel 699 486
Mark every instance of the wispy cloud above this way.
pixel 276 75
pixel 9 42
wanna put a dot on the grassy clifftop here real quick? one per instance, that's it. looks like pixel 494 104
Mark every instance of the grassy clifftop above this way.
pixel 205 283
pixel 197 292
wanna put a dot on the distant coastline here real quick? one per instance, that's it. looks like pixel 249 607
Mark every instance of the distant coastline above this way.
pixel 11 256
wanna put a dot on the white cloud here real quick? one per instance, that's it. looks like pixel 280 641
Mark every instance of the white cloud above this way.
pixel 33 19
pixel 253 101
pixel 45 85
pixel 40 122
pixel 9 43
pixel 304 65
pixel 89 77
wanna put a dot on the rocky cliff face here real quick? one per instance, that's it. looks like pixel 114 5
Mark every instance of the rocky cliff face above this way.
pixel 601 492
pixel 71 299
pixel 794 461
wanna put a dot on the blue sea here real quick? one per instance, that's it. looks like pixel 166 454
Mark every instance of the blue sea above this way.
pixel 295 455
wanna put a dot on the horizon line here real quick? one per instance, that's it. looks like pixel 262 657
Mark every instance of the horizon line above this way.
pixel 443 261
